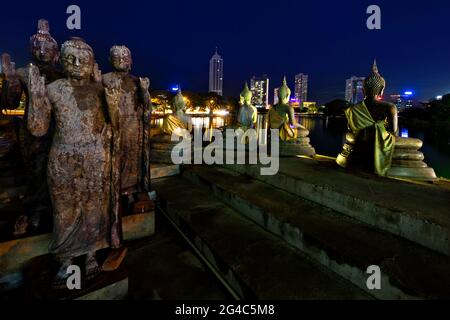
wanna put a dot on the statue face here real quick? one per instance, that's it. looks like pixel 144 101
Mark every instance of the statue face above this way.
pixel 78 63
pixel 121 60
pixel 44 51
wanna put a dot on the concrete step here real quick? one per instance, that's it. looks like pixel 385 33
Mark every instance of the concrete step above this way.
pixel 341 244
pixel 415 211
pixel 164 268
pixel 255 263
pixel 164 170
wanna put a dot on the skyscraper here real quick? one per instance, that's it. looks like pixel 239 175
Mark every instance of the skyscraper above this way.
pixel 260 90
pixel 354 89
pixel 216 74
pixel 301 88
pixel 275 96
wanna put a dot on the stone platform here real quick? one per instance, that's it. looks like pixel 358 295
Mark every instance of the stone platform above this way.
pixel 159 170
pixel 254 263
pixel 38 277
pixel 14 255
pixel 338 223
pixel 418 212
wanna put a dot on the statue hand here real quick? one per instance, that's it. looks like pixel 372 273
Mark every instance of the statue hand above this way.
pixel 97 73
pixel 113 91
pixel 36 83
pixel 144 84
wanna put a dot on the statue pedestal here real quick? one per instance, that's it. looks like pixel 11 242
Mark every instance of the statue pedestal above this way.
pixel 299 147
pixel 38 277
pixel 408 161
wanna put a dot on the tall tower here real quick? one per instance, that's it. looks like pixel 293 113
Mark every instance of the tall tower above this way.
pixel 260 89
pixel 301 88
pixel 216 74
pixel 354 89
pixel 275 96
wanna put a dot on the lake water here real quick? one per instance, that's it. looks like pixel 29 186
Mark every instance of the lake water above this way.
pixel 328 136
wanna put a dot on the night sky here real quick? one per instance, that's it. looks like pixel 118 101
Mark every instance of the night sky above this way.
pixel 172 41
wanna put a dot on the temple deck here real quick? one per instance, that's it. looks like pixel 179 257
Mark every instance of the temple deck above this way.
pixel 323 220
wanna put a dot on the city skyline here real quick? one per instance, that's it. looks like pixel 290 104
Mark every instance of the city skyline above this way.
pixel 176 53
pixel 354 89
pixel 260 87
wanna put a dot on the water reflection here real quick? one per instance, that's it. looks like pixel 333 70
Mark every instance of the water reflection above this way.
pixel 328 135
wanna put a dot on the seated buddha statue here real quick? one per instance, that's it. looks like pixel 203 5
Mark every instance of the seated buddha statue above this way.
pixel 248 114
pixel 178 123
pixel 178 119
pixel 294 139
pixel 372 142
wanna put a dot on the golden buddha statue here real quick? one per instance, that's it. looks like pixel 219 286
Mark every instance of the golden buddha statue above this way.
pixel 176 124
pixel 372 142
pixel 179 121
pixel 248 114
pixel 293 136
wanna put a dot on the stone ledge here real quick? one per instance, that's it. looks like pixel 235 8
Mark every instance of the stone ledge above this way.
pixel 255 263
pixel 339 243
pixel 15 254
pixel 416 212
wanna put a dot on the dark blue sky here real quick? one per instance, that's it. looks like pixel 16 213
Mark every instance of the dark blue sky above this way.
pixel 172 41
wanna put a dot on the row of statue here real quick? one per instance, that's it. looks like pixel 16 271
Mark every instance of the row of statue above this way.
pixel 87 138
pixel 372 142
pixel 84 139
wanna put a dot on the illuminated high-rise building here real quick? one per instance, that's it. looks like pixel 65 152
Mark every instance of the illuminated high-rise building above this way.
pixel 354 89
pixel 275 96
pixel 301 88
pixel 260 90
pixel 216 74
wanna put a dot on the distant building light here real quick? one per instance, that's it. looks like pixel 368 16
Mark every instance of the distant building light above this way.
pixel 175 89
pixel 439 98
pixel 408 93
pixel 405 133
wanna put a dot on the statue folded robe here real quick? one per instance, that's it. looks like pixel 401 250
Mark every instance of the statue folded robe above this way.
pixel 276 121
pixel 359 118
pixel 172 124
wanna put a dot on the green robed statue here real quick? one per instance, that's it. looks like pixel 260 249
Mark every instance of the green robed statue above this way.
pixel 373 126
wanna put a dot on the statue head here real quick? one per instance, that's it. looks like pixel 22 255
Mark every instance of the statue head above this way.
pixel 120 58
pixel 178 102
pixel 43 47
pixel 284 94
pixel 246 96
pixel 374 84
pixel 77 59
pixel 8 67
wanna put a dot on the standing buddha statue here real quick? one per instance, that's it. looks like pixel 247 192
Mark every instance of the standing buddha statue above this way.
pixel 131 121
pixel 34 150
pixel 79 166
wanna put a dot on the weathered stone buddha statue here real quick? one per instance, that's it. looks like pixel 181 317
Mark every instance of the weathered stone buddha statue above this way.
pixel 294 139
pixel 131 121
pixel 44 55
pixel 248 114
pixel 34 150
pixel 176 124
pixel 79 166
pixel 372 142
